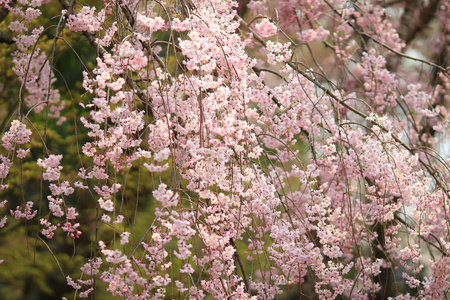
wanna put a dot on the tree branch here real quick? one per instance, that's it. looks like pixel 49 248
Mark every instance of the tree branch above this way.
pixel 318 84
pixel 146 45
pixel 93 41
pixel 415 18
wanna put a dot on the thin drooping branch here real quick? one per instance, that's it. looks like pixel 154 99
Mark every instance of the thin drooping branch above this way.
pixel 318 84
pixel 102 51
pixel 126 11
pixel 399 53
pixel 414 20
pixel 276 181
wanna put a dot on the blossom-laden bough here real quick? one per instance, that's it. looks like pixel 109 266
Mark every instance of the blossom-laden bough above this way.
pixel 303 142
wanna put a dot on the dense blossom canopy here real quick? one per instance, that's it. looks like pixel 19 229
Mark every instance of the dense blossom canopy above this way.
pixel 299 148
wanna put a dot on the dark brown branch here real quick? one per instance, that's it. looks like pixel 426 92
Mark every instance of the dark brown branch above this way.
pixel 386 278
pixel 416 18
pixel 238 259
pixel 399 53
pixel 242 8
pixel 407 20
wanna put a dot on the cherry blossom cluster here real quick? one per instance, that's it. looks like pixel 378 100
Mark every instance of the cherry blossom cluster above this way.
pixel 273 168
pixel 217 120
pixel 13 140
pixel 31 64
pixel 18 134
pixel 26 213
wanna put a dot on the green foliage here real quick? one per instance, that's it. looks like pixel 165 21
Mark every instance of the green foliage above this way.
pixel 29 270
